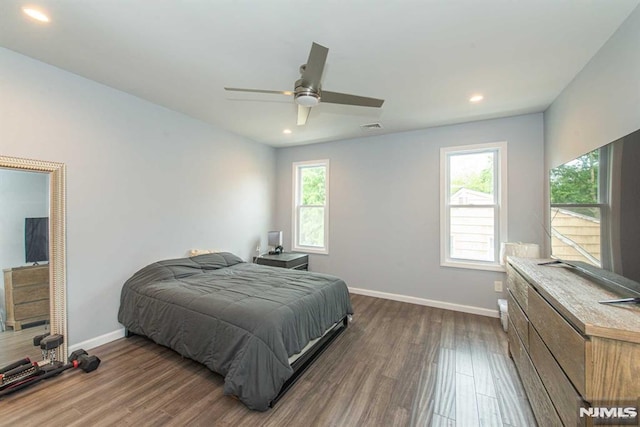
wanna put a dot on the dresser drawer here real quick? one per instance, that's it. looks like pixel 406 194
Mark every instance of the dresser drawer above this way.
pixel 565 398
pixel 538 398
pixel 30 293
pixel 518 287
pixel 520 322
pixel 30 276
pixel 565 343
pixel 517 351
pixel 31 310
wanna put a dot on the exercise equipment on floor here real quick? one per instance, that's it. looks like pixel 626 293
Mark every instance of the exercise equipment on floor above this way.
pixel 24 372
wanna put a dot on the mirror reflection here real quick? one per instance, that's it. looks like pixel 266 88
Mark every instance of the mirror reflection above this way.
pixel 24 257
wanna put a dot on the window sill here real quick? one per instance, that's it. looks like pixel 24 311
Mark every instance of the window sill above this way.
pixel 473 266
pixel 309 250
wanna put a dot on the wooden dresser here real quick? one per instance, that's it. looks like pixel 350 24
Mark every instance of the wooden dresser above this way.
pixel 569 350
pixel 26 294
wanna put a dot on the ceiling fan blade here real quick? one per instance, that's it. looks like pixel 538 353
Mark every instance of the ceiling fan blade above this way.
pixel 277 92
pixel 315 66
pixel 346 99
pixel 303 114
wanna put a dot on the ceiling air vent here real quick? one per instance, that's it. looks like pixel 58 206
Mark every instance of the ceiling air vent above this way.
pixel 371 126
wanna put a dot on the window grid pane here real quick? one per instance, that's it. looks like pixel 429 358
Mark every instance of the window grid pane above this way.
pixel 472 233
pixel 311 226
pixel 471 179
pixel 312 185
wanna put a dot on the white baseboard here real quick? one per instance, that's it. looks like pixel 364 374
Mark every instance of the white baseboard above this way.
pixel 431 303
pixel 98 341
pixel 119 333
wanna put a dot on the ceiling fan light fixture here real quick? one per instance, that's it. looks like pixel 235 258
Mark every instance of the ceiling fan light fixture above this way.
pixel 307 99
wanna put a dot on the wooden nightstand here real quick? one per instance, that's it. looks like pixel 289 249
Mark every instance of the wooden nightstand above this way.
pixel 284 260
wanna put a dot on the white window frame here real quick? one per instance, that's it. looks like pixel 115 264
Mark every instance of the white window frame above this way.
pixel 500 207
pixel 297 166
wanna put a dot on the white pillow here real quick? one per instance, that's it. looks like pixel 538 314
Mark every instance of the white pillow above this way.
pixel 195 252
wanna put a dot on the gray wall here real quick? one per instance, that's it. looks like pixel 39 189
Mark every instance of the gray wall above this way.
pixel 143 182
pixel 384 207
pixel 602 103
pixel 22 195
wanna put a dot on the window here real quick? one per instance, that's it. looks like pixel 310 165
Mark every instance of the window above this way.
pixel 580 209
pixel 311 206
pixel 473 217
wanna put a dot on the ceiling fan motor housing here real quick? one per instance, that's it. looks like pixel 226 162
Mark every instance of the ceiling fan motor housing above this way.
pixel 306 96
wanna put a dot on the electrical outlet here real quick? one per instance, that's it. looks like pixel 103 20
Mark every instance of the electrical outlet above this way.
pixel 497 286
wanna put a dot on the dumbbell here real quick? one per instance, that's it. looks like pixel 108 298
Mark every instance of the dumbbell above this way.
pixel 76 354
pixel 82 360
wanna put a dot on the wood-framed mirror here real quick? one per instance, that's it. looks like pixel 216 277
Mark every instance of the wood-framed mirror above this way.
pixel 57 239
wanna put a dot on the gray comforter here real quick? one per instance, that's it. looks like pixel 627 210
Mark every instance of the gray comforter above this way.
pixel 241 320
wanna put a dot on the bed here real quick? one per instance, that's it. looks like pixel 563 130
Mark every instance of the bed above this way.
pixel 245 321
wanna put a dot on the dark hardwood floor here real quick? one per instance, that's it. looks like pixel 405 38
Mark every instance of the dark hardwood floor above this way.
pixel 397 364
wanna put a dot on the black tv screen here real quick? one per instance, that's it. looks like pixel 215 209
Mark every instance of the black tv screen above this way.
pixel 36 239
pixel 595 212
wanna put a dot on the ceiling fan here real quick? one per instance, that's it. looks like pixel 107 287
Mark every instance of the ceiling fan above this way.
pixel 307 92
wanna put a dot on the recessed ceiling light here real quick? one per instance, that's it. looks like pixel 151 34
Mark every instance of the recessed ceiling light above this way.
pixel 36 14
pixel 286 131
pixel 476 98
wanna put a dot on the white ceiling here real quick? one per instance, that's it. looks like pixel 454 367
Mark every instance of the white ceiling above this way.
pixel 425 58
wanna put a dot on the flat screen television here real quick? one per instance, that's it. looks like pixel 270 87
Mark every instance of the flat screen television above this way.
pixel 595 214
pixel 36 239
